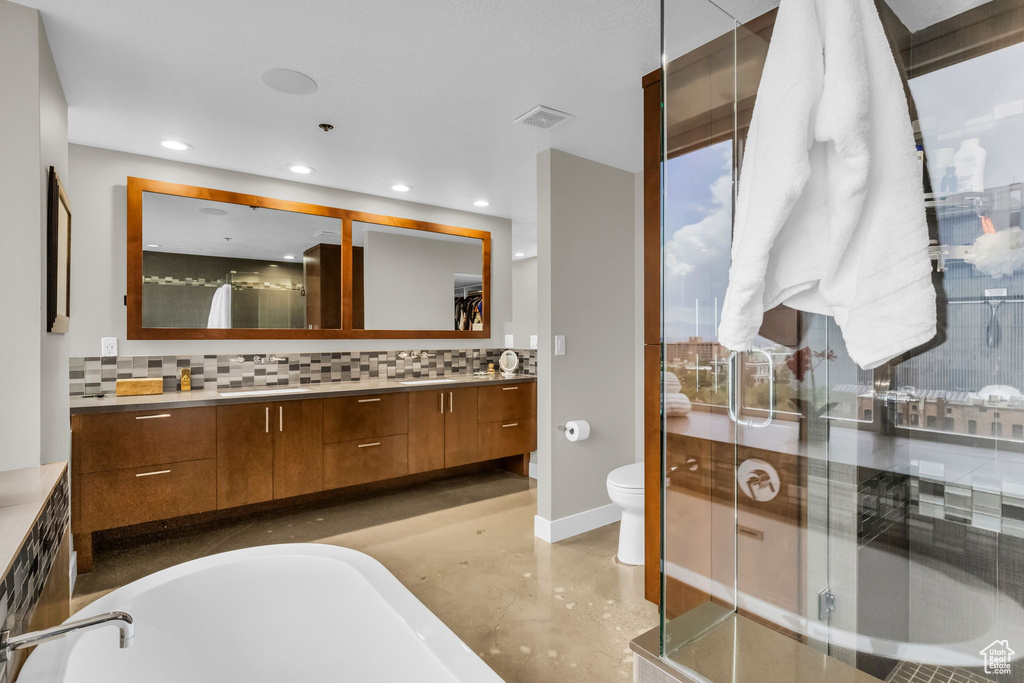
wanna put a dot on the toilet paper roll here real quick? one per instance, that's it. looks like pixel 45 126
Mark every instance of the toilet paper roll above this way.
pixel 577 430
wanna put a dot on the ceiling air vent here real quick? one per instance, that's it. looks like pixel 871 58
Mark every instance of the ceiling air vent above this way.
pixel 544 117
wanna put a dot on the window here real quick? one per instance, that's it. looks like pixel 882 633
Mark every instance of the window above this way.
pixel 997 429
pixel 930 422
pixel 1017 431
pixel 867 415
pixel 914 420
pixel 972 426
pixel 948 424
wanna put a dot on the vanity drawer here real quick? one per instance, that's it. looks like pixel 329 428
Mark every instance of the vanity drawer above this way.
pixel 145 494
pixel 363 417
pixel 113 441
pixel 365 460
pixel 508 437
pixel 507 402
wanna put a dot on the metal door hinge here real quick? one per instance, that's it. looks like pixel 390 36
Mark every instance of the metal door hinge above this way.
pixel 826 604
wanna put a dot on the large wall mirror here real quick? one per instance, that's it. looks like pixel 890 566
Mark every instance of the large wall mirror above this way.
pixel 208 264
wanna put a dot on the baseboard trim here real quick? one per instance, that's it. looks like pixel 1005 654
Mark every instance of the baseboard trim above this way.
pixel 533 470
pixel 557 530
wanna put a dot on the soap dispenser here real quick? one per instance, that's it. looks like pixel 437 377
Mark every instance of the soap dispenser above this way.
pixel 186 378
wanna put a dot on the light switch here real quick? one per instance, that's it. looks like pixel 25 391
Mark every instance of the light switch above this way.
pixel 559 344
pixel 108 346
pixel 509 341
pixel 533 341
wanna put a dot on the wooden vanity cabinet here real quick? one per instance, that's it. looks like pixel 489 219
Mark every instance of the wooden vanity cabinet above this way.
pixel 149 465
pixel 442 429
pixel 268 450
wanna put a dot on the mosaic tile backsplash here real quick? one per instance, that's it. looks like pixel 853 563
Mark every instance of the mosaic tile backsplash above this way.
pixel 99 375
pixel 23 582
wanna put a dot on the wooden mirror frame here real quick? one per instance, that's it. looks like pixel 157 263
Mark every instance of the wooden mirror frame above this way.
pixel 133 298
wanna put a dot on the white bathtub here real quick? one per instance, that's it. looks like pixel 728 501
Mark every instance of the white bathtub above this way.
pixel 282 613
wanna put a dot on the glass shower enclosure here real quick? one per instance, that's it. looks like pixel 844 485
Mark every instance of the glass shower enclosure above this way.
pixel 809 507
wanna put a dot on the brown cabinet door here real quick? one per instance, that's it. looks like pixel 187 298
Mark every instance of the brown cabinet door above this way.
pixel 144 494
pixel 113 441
pixel 426 430
pixel 507 401
pixel 362 417
pixel 502 439
pixel 460 427
pixel 297 428
pixel 245 454
pixel 365 460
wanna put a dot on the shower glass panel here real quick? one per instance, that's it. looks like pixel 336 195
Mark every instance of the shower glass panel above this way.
pixel 811 507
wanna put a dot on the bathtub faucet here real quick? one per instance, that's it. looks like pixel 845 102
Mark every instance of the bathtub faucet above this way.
pixel 122 620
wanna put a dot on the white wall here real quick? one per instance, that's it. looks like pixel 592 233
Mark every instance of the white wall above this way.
pixel 524 301
pixel 586 291
pixel 409 281
pixel 638 316
pixel 33 136
pixel 98 200
pixel 55 434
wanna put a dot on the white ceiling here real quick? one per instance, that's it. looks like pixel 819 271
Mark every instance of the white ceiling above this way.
pixel 421 92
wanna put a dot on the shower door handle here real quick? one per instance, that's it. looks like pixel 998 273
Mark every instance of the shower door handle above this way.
pixel 734 381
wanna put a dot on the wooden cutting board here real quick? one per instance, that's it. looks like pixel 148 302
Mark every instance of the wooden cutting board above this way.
pixel 140 387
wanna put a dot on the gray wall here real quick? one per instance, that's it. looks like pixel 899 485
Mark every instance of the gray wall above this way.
pixel 409 281
pixel 98 199
pixel 524 301
pixel 33 136
pixel 586 291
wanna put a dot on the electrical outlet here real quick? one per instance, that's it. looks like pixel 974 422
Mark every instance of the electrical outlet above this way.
pixel 559 344
pixel 108 346
pixel 533 341
pixel 509 341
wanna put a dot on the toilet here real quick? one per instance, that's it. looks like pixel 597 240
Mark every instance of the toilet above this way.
pixel 626 489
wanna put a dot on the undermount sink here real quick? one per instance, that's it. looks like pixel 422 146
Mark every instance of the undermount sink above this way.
pixel 262 392
pixel 428 381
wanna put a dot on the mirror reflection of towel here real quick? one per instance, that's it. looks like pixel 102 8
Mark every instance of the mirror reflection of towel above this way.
pixel 220 309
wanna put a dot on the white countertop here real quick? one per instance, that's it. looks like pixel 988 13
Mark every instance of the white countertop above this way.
pixel 23 495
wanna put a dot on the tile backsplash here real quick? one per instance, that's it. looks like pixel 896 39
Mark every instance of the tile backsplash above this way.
pixel 93 375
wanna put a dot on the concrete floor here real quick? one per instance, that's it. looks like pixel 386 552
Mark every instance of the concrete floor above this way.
pixel 535 612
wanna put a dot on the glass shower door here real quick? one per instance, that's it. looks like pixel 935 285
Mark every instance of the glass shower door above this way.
pixel 873 516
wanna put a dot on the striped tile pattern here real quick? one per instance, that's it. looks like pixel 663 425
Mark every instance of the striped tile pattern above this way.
pixel 23 583
pixel 99 375
pixel 982 508
pixel 909 672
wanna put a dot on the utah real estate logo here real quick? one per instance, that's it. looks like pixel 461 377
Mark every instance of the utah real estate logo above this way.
pixel 997 657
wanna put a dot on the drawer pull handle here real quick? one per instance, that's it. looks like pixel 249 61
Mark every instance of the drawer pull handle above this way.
pixel 509 388
pixel 150 474
pixel 751 533
pixel 368 400
pixel 367 445
pixel 151 417
pixel 514 424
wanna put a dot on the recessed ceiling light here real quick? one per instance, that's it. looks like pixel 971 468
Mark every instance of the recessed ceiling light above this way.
pixel 273 265
pixel 176 145
pixel 518 254
pixel 298 168
pixel 288 81
pixel 152 246
pixel 289 257
pixel 481 203
pixel 210 211
pixel 401 188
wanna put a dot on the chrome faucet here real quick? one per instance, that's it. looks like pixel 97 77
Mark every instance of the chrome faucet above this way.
pixel 122 620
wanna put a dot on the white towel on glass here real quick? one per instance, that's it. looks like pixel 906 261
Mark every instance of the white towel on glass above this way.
pixel 220 309
pixel 830 211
